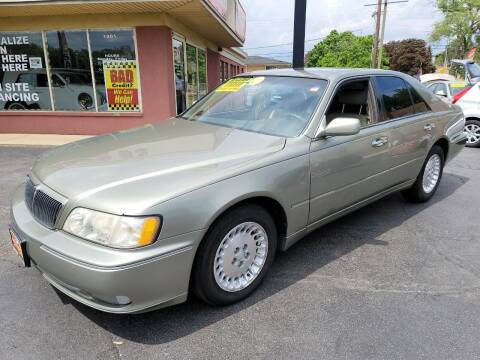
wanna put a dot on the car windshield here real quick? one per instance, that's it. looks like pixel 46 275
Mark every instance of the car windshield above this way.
pixel 473 69
pixel 457 87
pixel 273 105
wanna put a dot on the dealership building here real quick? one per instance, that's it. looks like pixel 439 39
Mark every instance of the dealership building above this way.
pixel 90 67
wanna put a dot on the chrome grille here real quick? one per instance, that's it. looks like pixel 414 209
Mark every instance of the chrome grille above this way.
pixel 44 208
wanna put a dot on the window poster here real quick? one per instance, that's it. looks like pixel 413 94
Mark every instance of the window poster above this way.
pixel 23 76
pixel 121 84
pixel 109 45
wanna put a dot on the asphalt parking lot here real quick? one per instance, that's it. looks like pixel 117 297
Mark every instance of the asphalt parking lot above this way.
pixel 391 281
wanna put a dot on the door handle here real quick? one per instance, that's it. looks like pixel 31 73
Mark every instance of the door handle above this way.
pixel 428 127
pixel 380 141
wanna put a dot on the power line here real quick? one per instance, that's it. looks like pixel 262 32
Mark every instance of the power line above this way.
pixel 289 43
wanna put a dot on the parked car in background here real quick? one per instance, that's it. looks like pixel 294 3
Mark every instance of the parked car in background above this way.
pixel 134 220
pixel 467 97
pixel 466 69
pixel 447 90
pixel 469 101
pixel 71 90
pixel 426 78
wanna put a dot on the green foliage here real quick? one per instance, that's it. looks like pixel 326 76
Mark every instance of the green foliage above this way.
pixel 342 50
pixel 409 55
pixel 460 26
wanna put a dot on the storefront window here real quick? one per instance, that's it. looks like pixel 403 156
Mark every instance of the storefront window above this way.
pixel 192 75
pixel 23 76
pixel 25 71
pixel 109 46
pixel 179 73
pixel 223 71
pixel 196 74
pixel 202 73
pixel 70 70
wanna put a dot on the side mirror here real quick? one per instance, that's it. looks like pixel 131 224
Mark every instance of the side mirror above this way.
pixel 343 126
pixel 441 93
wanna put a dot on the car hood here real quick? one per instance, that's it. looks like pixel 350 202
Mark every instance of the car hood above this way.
pixel 128 171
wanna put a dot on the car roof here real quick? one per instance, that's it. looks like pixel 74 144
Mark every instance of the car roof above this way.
pixel 331 74
pixel 448 81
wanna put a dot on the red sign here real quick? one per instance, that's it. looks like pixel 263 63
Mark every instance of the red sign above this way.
pixel 471 53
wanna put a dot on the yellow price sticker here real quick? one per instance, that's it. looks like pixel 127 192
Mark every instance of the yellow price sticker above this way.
pixel 236 84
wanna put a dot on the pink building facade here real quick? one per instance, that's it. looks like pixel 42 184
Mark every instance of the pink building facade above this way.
pixel 73 74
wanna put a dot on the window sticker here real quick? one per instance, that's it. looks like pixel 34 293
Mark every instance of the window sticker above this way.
pixel 236 84
pixel 35 63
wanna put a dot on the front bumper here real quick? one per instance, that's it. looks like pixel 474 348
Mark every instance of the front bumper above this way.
pixel 111 280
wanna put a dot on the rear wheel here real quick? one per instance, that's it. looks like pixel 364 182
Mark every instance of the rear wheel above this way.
pixel 429 178
pixel 235 255
pixel 472 129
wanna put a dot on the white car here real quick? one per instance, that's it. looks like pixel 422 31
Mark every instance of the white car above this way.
pixel 469 100
pixel 447 90
pixel 467 97
pixel 71 90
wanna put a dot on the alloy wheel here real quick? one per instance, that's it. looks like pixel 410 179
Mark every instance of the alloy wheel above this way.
pixel 473 133
pixel 431 173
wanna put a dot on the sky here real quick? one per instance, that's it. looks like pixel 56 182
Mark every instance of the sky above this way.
pixel 270 22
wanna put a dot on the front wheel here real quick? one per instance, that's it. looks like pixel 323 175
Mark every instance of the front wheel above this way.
pixel 235 255
pixel 472 130
pixel 429 178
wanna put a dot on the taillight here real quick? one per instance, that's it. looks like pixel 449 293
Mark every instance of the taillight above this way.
pixel 459 95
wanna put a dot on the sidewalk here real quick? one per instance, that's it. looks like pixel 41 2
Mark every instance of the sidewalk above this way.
pixel 38 139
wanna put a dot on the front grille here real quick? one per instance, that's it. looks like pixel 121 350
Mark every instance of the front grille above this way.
pixel 44 208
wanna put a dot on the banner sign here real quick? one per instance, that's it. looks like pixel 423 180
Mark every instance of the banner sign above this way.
pixel 121 83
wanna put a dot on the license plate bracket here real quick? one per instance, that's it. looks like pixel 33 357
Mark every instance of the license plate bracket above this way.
pixel 20 247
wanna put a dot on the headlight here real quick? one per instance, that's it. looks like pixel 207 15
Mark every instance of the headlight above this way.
pixel 112 230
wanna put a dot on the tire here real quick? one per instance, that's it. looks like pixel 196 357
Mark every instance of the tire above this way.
pixel 17 106
pixel 241 225
pixel 420 191
pixel 472 129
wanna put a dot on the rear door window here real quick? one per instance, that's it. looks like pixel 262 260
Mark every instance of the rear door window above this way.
pixel 419 104
pixel 394 97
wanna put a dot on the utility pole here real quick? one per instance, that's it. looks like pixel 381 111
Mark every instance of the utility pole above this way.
pixel 377 34
pixel 382 35
pixel 299 34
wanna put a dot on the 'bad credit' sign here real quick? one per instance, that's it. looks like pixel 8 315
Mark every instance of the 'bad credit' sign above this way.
pixel 121 84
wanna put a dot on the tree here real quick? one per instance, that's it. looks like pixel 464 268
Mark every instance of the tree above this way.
pixel 342 50
pixel 460 26
pixel 409 55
